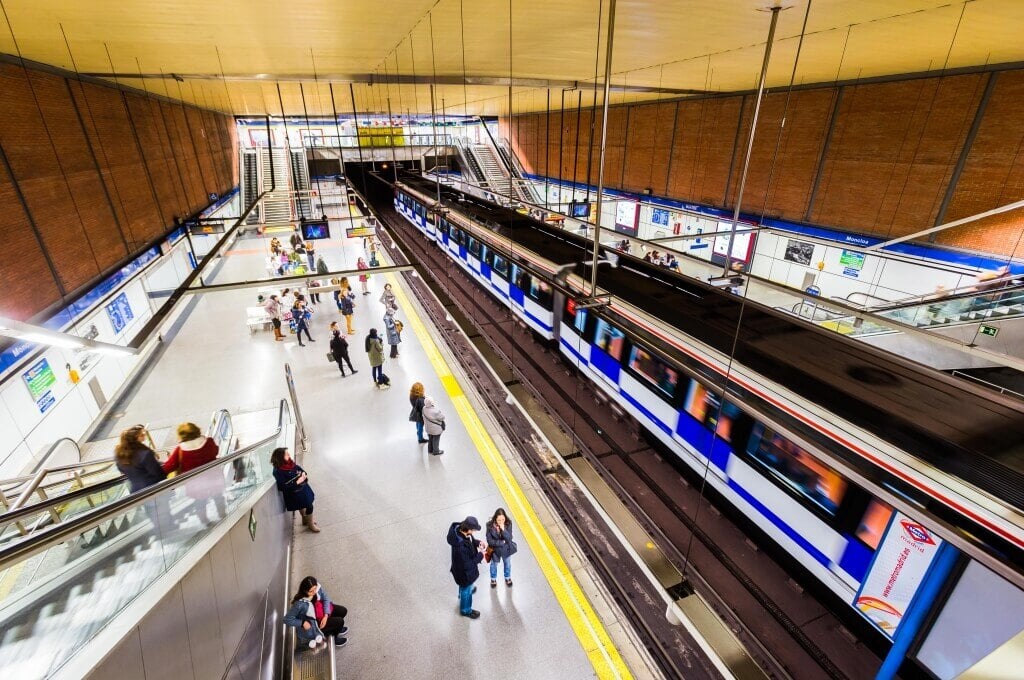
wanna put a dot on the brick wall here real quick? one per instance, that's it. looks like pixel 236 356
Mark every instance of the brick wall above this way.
pixel 886 170
pixel 89 174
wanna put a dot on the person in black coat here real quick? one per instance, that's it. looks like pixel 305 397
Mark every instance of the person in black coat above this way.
pixel 499 540
pixel 339 348
pixel 467 553
pixel 136 461
pixel 293 484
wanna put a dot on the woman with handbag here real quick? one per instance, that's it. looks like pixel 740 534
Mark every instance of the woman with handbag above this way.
pixel 293 483
pixel 433 423
pixel 416 414
pixel 339 351
pixel 500 546
pixel 193 451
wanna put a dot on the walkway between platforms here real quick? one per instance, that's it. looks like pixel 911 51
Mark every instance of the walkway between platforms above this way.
pixel 384 505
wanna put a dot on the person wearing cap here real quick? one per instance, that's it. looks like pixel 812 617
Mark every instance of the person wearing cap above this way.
pixel 467 553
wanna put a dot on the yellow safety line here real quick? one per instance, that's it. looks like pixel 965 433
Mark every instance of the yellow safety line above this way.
pixel 586 625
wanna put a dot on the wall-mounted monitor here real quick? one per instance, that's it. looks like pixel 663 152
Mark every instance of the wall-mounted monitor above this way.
pixel 315 230
pixel 579 210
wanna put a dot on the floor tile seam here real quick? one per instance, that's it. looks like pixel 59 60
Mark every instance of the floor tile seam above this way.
pixel 583 619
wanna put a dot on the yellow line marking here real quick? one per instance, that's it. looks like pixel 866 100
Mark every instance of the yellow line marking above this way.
pixel 586 625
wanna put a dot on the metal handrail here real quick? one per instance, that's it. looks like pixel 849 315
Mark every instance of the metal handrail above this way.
pixel 1002 390
pixel 75 468
pixel 61 532
pixel 955 294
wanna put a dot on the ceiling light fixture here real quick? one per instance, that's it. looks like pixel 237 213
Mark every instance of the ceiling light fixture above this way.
pixel 50 338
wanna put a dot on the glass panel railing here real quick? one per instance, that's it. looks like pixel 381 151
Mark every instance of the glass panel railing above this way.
pixel 995 306
pixel 63 588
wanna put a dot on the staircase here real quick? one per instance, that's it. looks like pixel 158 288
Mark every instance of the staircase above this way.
pixel 300 182
pixel 277 206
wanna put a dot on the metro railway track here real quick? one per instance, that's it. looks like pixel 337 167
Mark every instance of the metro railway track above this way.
pixel 606 441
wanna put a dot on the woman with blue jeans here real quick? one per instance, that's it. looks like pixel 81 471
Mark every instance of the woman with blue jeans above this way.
pixel 499 539
pixel 416 415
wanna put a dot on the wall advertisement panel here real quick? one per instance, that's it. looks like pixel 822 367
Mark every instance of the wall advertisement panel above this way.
pixel 39 379
pixel 627 215
pixel 903 557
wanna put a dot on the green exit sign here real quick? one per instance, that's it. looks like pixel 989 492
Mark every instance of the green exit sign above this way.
pixel 990 331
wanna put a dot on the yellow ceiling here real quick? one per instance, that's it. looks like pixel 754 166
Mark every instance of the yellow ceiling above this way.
pixel 712 45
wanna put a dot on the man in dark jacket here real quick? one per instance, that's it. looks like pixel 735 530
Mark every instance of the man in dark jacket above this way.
pixel 467 553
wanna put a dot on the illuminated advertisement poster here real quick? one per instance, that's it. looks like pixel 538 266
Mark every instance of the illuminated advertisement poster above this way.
pixel 740 241
pixel 900 564
pixel 120 312
pixel 39 379
pixel 851 262
pixel 626 213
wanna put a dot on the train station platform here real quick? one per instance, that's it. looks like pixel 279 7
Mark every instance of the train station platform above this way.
pixel 383 504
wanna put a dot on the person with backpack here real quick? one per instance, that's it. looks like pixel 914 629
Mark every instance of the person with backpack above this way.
pixel 467 553
pixel 375 350
pixel 339 348
pixel 433 423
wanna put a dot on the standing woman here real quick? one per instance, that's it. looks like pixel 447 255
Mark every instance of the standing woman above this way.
pixel 293 484
pixel 363 278
pixel 416 415
pixel 300 316
pixel 387 298
pixel 339 348
pixel 375 350
pixel 347 308
pixel 433 423
pixel 499 539
pixel 195 450
pixel 136 461
pixel 391 328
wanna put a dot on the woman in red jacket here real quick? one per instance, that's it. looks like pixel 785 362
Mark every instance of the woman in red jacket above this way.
pixel 193 451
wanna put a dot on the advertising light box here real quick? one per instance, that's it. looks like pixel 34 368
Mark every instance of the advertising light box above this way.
pixel 899 566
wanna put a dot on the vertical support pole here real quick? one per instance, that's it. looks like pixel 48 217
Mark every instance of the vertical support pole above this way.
pixel 919 609
pixel 750 139
pixel 394 154
pixel 604 140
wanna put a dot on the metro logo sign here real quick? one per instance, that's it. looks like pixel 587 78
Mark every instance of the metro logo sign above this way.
pixel 917 532
pixel 903 557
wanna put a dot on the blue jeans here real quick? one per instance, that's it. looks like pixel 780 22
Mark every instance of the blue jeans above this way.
pixel 419 431
pixel 494 567
pixel 466 598
pixel 376 372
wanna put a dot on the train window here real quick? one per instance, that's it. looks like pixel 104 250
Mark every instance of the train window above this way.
pixel 578 317
pixel 724 420
pixel 655 371
pixel 540 291
pixel 454 233
pixel 797 469
pixel 473 246
pixel 485 254
pixel 520 278
pixel 874 522
pixel 609 339
pixel 500 265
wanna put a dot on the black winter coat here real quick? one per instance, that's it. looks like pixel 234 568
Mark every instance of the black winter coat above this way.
pixel 296 496
pixel 466 557
pixel 501 541
pixel 339 347
pixel 144 470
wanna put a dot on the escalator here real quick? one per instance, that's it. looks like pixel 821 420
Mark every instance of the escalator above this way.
pixel 90 555
pixel 53 493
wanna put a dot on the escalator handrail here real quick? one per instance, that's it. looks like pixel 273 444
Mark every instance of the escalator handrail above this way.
pixel 38 474
pixel 61 532
pixel 964 292
pixel 83 468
